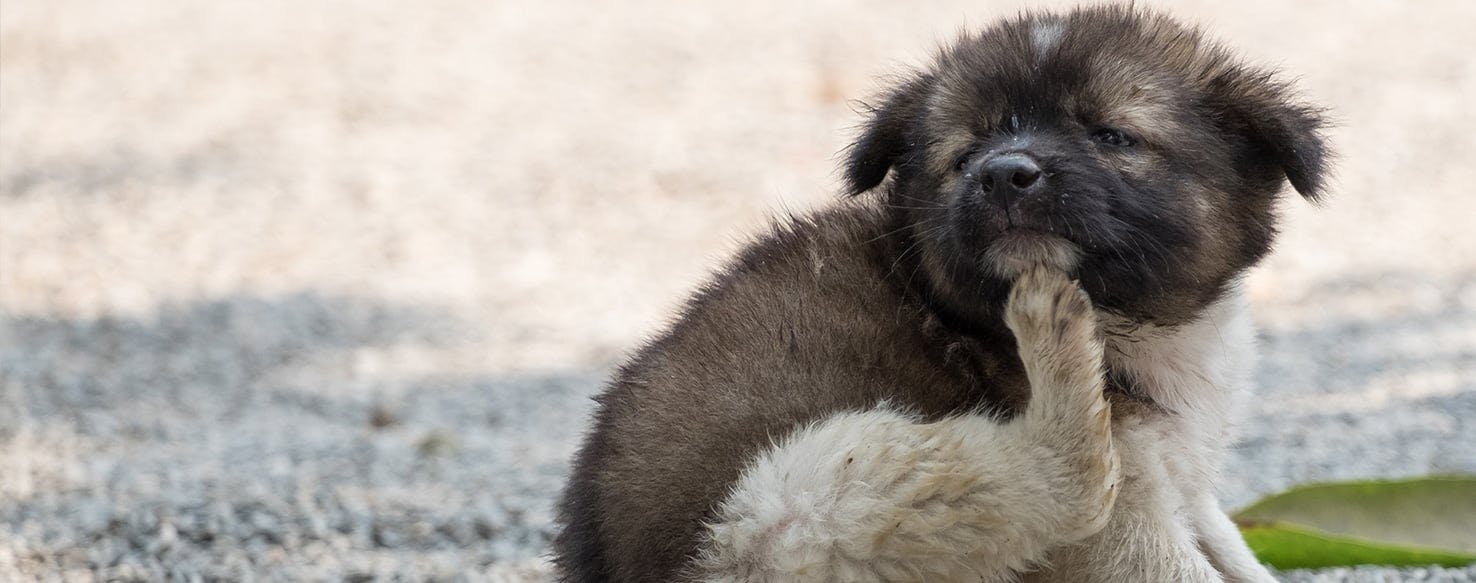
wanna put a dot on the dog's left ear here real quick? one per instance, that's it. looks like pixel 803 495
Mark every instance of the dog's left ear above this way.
pixel 1287 131
pixel 885 138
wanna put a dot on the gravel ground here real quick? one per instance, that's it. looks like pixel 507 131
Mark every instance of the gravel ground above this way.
pixel 319 290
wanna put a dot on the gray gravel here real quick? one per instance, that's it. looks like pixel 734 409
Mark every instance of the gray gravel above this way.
pixel 209 455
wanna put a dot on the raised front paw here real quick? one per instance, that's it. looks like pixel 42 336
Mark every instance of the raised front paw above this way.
pixel 1056 331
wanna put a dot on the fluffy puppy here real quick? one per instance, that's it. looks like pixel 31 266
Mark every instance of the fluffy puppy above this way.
pixel 1012 355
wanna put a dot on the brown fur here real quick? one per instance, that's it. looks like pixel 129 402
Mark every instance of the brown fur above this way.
pixel 812 319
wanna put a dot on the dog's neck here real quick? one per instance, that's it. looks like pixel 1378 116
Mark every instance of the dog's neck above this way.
pixel 1197 368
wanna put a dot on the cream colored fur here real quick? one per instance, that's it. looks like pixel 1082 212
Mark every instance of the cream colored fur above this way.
pixel 1073 489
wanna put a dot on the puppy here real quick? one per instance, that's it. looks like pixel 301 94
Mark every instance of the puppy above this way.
pixel 1013 354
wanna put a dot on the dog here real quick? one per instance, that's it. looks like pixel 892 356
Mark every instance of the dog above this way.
pixel 1014 352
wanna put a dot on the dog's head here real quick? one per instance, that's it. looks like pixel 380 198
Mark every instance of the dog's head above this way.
pixel 1116 144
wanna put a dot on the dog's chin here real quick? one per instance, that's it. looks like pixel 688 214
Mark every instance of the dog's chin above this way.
pixel 1016 250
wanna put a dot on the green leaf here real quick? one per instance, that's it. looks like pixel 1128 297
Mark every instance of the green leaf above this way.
pixel 1287 546
pixel 1422 521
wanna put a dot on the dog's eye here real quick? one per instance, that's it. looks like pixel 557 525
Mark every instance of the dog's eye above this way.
pixel 1114 137
pixel 963 159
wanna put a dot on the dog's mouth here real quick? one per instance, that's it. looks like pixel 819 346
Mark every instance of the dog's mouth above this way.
pixel 1026 232
pixel 1016 249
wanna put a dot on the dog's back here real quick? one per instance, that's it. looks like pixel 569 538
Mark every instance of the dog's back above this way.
pixel 809 321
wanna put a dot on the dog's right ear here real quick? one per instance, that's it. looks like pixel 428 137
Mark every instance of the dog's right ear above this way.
pixel 886 136
pixel 1285 131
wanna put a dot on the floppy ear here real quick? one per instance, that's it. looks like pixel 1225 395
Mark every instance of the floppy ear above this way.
pixel 885 137
pixel 1285 130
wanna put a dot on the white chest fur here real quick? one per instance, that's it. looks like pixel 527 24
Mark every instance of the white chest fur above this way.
pixel 1199 372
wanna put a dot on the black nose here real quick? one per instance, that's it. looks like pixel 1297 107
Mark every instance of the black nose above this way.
pixel 1009 174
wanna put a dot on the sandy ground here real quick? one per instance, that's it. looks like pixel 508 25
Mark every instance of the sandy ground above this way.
pixel 318 290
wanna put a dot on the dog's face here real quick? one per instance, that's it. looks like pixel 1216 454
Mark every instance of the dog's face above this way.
pixel 1114 144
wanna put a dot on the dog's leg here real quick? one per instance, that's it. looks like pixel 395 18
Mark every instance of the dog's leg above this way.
pixel 878 496
pixel 1149 537
pixel 1060 346
pixel 1222 542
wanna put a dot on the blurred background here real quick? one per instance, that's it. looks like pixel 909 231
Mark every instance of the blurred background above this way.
pixel 320 289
